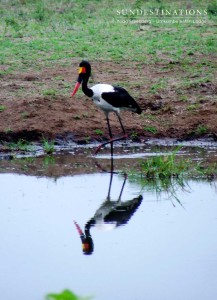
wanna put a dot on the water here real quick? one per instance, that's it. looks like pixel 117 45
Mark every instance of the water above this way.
pixel 167 250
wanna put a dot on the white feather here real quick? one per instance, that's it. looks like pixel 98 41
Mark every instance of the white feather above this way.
pixel 106 226
pixel 98 89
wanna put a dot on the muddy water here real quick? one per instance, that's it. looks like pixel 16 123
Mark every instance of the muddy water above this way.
pixel 152 247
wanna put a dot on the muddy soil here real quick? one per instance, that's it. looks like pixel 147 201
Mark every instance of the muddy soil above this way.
pixel 37 104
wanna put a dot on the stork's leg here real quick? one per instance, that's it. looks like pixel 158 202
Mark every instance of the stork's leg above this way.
pixel 110 134
pixel 125 178
pixel 109 127
pixel 111 141
pixel 122 127
pixel 110 185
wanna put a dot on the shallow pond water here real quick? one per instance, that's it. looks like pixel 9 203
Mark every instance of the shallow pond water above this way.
pixel 160 249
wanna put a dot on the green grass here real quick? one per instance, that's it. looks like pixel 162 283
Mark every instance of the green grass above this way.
pixel 173 166
pixel 66 295
pixel 49 92
pixel 48 147
pixel 162 173
pixel 24 115
pixel 150 117
pixel 192 107
pixel 98 132
pixel 201 129
pixel 151 129
pixel 2 107
pixel 164 166
pixel 21 145
pixel 134 136
pixel 34 34
pixel 158 86
pixel 168 173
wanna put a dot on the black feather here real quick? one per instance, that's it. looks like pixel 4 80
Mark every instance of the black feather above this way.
pixel 121 98
pixel 124 211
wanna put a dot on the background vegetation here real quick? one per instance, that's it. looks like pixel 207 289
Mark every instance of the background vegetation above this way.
pixel 38 33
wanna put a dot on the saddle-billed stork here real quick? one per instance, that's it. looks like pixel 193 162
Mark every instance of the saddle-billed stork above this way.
pixel 107 97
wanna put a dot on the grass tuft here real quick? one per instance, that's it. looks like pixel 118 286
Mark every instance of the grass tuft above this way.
pixel 21 145
pixel 167 166
pixel 169 173
pixel 48 147
pixel 2 108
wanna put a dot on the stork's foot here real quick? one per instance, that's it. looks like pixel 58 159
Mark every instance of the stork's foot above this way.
pixel 124 137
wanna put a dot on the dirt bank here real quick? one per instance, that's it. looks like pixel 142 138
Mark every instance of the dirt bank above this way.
pixel 37 104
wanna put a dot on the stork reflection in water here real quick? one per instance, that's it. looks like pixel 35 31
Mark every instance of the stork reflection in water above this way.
pixel 110 215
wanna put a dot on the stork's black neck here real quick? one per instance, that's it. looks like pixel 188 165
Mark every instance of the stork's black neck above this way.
pixel 86 90
pixel 88 225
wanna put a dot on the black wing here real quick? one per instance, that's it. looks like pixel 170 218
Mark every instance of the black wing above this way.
pixel 123 213
pixel 121 98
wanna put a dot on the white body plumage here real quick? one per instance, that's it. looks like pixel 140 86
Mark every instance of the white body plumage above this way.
pixel 98 90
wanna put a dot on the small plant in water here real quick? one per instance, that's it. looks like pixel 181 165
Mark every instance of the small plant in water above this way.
pixel 161 166
pixel 162 173
pixel 134 136
pixel 48 161
pixel 48 147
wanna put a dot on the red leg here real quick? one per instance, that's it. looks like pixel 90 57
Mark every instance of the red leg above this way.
pixel 111 137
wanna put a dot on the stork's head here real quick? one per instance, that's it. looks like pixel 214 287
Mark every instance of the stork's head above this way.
pixel 83 74
pixel 87 242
